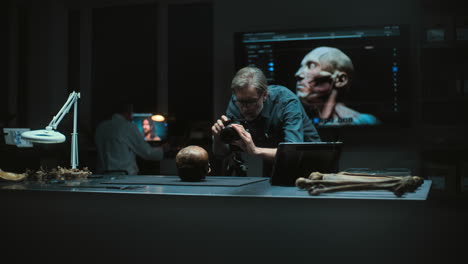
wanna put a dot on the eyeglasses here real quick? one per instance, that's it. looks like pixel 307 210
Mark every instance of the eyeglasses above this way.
pixel 245 103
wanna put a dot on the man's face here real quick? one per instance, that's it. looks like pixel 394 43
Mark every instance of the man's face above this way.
pixel 249 102
pixel 312 85
pixel 146 126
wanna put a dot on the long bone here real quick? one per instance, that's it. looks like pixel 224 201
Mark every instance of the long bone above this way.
pixel 320 183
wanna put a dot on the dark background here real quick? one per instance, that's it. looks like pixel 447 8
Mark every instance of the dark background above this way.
pixel 177 58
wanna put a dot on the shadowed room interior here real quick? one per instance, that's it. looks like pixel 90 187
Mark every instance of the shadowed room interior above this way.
pixel 177 58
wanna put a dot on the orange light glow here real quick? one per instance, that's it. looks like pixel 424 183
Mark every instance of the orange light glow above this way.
pixel 158 118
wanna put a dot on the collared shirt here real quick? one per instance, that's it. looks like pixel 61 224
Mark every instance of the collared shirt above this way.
pixel 282 119
pixel 118 142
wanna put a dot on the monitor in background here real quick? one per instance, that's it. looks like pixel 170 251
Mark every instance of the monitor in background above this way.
pixel 379 84
pixel 151 131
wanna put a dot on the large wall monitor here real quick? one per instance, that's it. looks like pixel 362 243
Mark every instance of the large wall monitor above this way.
pixel 379 84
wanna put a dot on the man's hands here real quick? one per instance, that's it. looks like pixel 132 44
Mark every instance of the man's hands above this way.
pixel 218 127
pixel 245 142
pixel 219 148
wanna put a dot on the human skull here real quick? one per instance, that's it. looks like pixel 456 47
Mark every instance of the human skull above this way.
pixel 192 163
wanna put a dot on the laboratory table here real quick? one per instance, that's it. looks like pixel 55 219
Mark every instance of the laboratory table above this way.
pixel 161 219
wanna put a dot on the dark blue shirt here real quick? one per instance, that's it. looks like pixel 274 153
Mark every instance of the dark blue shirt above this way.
pixel 282 119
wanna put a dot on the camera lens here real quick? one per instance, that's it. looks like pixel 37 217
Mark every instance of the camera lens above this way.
pixel 229 134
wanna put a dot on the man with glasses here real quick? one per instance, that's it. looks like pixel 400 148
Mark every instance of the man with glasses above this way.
pixel 269 114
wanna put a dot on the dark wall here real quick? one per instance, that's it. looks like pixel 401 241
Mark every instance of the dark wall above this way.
pixel 4 57
pixel 190 65
pixel 74 50
pixel 124 58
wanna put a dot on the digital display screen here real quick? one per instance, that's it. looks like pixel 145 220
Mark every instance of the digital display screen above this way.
pixel 150 130
pixel 311 64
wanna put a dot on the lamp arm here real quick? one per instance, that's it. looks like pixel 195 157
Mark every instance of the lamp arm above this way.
pixel 72 98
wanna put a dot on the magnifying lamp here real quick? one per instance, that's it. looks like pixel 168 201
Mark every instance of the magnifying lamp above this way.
pixel 50 136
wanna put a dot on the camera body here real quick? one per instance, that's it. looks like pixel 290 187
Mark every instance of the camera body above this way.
pixel 229 134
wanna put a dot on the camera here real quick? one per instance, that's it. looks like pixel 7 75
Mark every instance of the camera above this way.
pixel 229 134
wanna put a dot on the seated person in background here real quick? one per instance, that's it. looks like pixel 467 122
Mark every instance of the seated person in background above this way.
pixel 118 141
pixel 324 73
pixel 149 130
pixel 270 114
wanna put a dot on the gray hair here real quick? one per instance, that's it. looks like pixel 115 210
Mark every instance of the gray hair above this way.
pixel 250 76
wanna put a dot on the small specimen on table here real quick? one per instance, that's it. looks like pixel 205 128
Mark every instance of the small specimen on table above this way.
pixel 11 176
pixel 192 163
pixel 58 173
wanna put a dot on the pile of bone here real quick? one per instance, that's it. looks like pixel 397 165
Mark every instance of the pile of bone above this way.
pixel 318 183
pixel 58 173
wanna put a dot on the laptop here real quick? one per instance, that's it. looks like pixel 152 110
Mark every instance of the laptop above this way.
pixel 294 160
